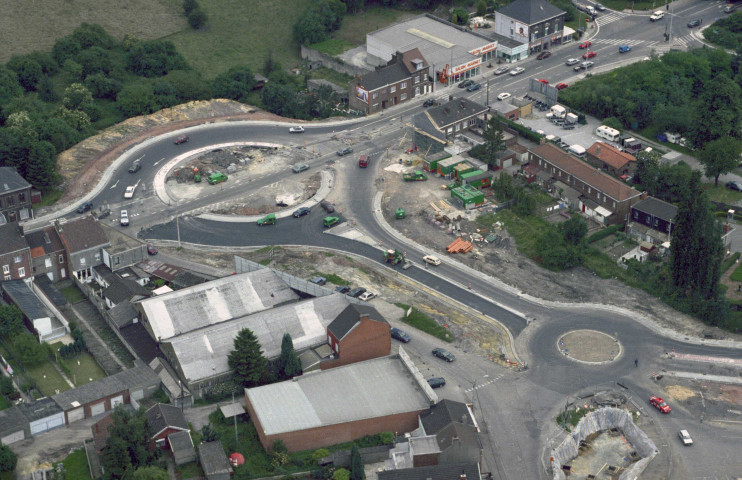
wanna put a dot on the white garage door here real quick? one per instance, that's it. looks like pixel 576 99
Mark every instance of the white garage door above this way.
pixel 507 163
pixel 46 424
pixel 13 437
pixel 98 408
pixel 75 415
pixel 117 401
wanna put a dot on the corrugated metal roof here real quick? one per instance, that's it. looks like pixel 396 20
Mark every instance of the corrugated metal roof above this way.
pixel 374 388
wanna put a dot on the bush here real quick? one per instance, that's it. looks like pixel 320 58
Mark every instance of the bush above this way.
pixel 604 233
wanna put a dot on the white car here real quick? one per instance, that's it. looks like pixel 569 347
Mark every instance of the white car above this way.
pixel 367 296
pixel 296 130
pixel 129 193
pixel 503 96
pixel 572 61
pixel 685 438
pixel 517 71
pixel 657 15
pixel 124 218
pixel 433 260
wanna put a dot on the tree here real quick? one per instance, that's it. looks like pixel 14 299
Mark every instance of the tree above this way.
pixel 494 141
pixel 95 60
pixel 197 18
pixel 574 230
pixel 128 445
pixel 720 156
pixel 354 6
pixel 356 464
pixel 341 474
pixel 270 64
pixel 236 83
pixel 29 350
pixel 74 118
pixel 460 16
pixel 210 434
pixel 41 170
pixel 523 203
pixel 151 473
pixel 717 113
pixel 28 70
pixel 77 97
pixel 93 35
pixel 66 48
pixel 9 86
pixel 189 6
pixel 137 99
pixel 155 58
pixel 288 363
pixel 553 252
pixel 246 360
pixel 101 86
pixel 279 99
pixel 481 8
pixel 647 170
pixel 8 459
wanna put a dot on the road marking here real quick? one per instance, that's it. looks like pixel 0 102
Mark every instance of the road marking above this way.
pixel 114 185
pixel 158 161
pixel 610 18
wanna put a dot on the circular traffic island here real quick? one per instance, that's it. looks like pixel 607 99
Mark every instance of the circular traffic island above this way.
pixel 589 346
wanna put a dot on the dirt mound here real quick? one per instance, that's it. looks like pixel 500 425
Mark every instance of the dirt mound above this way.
pixel 679 392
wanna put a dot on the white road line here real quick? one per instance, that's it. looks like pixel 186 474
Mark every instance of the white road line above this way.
pixel 114 185
pixel 158 161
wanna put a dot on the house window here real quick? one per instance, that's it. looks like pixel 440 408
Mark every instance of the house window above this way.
pixel 11 200
pixel 6 269
pixel 636 215
pixel 404 85
pixel 614 204
pixel 417 78
pixel 160 442
pixel 21 272
pixel 61 259
pixel 48 262
pixel 393 89
pixel 17 259
pixel 458 127
pixel 417 90
pixel 589 190
pixel 375 95
pixel 7 277
pixel 97 257
pixel 403 97
pixel 82 261
pixel 472 122
pixel 21 197
pixel 116 260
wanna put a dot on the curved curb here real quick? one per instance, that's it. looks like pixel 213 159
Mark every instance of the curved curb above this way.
pixel 586 362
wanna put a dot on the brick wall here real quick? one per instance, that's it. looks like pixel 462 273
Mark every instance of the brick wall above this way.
pixel 370 339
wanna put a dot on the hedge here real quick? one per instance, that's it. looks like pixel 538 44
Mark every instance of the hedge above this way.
pixel 604 233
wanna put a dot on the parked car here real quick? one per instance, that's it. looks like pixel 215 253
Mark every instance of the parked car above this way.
pixel 298 129
pixel 599 7
pixel 443 354
pixel 685 438
pixel 84 207
pixel 129 192
pixel 151 250
pixel 543 55
pixel 400 335
pixel 135 166
pixel 503 96
pixel 342 289
pixel 327 206
pixel 105 213
pixel 501 70
pixel 269 219
pixel 182 139
pixel 474 87
pixel 542 80
pixel 330 221
pixel 344 151
pixel 624 48
pixel 436 382
pixel 430 103
pixel 301 212
pixel 465 83
pixel 431 259
pixel 318 280
pixel 571 61
pixel 357 292
pixel 366 296
pixel 589 55
pixel 301 167
pixel 734 185
pixel 694 23
pixel 659 404
pixel 517 71
pixel 124 218
pixel 583 66
pixel 561 86
pixel 586 44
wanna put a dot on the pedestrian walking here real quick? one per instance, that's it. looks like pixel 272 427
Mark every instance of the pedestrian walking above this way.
pixel 636 362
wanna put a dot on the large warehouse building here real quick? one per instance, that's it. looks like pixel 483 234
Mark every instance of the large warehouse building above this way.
pixel 444 46
pixel 339 405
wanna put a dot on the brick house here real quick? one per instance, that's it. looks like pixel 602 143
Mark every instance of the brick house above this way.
pixel 15 197
pixel 603 198
pixel 612 160
pixel 358 333
pixel 15 256
pixel 652 220
pixel 165 420
pixel 48 255
pixel 437 126
pixel 84 240
pixel 534 25
pixel 404 77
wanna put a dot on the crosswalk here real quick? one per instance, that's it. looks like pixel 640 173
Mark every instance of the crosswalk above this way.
pixel 610 18
pixel 676 42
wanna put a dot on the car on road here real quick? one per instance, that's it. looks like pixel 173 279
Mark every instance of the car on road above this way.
pixel 465 83
pixel 624 49
pixel 366 296
pixel 503 96
pixel 599 7
pixel 326 206
pixel 318 280
pixel 135 166
pixel 129 192
pixel 436 382
pixel 685 438
pixel 330 221
pixel 473 87
pixel 301 212
pixel 432 259
pixel 84 207
pixel 694 23
pixel 269 219
pixel 400 335
pixel 657 15
pixel 501 70
pixel 182 139
pixel 583 66
pixel 151 250
pixel 543 55
pixel 561 86
pixel 659 404
pixel 589 55
pixel 124 218
pixel 542 80
pixel 344 151
pixel 105 213
pixel 298 129
pixel 301 167
pixel 357 292
pixel 342 289
pixel 586 44
pixel 430 103
pixel 734 185
pixel 571 61
pixel 517 71
pixel 443 354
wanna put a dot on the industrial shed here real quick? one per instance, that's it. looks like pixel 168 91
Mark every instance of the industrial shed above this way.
pixel 340 404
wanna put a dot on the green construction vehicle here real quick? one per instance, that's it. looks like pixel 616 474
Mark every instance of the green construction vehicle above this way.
pixel 394 257
pixel 215 178
pixel 330 221
pixel 269 219
pixel 400 213
pixel 416 176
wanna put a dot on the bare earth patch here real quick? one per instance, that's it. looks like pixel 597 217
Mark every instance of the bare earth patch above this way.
pixel 590 346
pixel 679 392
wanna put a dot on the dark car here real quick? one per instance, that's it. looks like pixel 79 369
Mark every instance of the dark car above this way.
pixel 357 292
pixel 473 87
pixel 444 354
pixel 182 139
pixel 135 167
pixel 151 250
pixel 301 212
pixel 318 280
pixel 105 213
pixel 84 207
pixel 599 7
pixel 735 185
pixel 327 206
pixel 342 289
pixel 344 151
pixel 436 382
pixel 543 55
pixel 430 103
pixel 400 335
pixel 694 23
pixel 465 83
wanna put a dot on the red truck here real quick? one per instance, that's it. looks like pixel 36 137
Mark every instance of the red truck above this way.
pixel 363 161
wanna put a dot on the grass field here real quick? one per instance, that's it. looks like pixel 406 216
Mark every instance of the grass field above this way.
pixel 88 370
pixel 72 294
pixel 76 466
pixel 425 323
pixel 721 193
pixel 48 379
pixel 355 27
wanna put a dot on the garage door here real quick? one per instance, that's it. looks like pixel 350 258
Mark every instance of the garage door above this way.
pixel 75 415
pixel 46 424
pixel 98 408
pixel 13 437
pixel 117 401
pixel 507 163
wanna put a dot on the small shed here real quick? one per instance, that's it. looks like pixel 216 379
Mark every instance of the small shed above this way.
pixel 37 317
pixel 430 163
pixel 181 444
pixel 214 461
pixel 467 196
pixel 43 415
pixel 461 169
pixel 446 166
pixel 476 178
pixel 14 426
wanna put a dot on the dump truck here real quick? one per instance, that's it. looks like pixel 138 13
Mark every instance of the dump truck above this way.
pixel 416 176
pixel 394 256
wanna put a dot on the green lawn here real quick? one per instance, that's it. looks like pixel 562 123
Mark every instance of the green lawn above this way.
pixel 333 46
pixel 355 27
pixel 4 403
pixel 49 197
pixel 72 294
pixel 425 323
pixel 189 470
pixel 721 193
pixel 87 371
pixel 76 466
pixel 48 379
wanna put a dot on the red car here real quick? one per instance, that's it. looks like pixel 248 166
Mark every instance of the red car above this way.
pixel 543 55
pixel 181 139
pixel 542 80
pixel 586 44
pixel 589 55
pixel 659 404
pixel 561 86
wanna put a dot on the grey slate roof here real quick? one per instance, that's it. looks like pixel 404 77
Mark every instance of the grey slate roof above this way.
pixel 424 124
pixel 444 413
pixel 453 432
pixel 350 317
pixel 141 376
pixel 41 408
pixel 530 12
pixel 213 459
pixel 82 234
pixel 12 420
pixel 657 208
pixel 47 239
pixel 161 416
pixel 11 181
pixel 25 299
pixel 180 441
pixel 455 110
pixel 434 472
pixel 105 273
pixel 383 76
pixel 123 314
pixel 51 292
pixel 11 239
pixel 169 378
pixel 122 289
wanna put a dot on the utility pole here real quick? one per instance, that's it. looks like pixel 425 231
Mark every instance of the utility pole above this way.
pixel 488 92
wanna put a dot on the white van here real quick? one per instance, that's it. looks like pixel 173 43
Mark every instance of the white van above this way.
pixel 657 15
pixel 610 134
pixel 577 150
